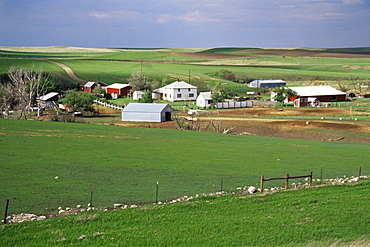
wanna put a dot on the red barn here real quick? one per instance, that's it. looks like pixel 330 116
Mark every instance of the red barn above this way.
pixel 118 90
pixel 89 86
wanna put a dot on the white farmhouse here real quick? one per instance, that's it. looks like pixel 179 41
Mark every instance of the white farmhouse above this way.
pixel 178 91
pixel 204 99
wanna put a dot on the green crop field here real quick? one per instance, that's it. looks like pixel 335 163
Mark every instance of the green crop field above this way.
pixel 116 65
pixel 318 216
pixel 123 164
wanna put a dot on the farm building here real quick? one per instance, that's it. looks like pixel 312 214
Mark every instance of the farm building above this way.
pixel 313 95
pixel 147 112
pixel 89 86
pixel 267 83
pixel 49 100
pixel 177 91
pixel 137 95
pixel 118 90
pixel 204 99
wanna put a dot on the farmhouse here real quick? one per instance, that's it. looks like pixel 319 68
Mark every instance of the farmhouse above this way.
pixel 177 91
pixel 267 83
pixel 204 99
pixel 147 112
pixel 49 100
pixel 118 90
pixel 89 86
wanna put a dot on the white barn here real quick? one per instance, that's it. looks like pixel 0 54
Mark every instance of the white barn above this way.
pixel 178 91
pixel 147 112
pixel 267 83
pixel 204 99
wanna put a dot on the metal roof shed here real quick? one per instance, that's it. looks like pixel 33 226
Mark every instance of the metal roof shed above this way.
pixel 147 112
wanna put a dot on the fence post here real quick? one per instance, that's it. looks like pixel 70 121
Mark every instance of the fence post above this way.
pixel 6 210
pixel 221 185
pixel 91 199
pixel 287 181
pixel 321 177
pixel 261 183
pixel 359 172
pixel 156 194
pixel 310 178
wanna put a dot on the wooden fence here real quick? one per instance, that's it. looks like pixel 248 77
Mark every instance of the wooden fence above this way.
pixel 287 177
pixel 108 105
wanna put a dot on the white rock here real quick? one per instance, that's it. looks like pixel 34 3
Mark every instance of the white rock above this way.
pixel 252 189
pixel 116 205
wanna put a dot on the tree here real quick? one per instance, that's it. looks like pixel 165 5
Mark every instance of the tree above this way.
pixel 283 93
pixel 147 98
pixel 22 89
pixel 220 92
pixel 139 82
pixel 81 101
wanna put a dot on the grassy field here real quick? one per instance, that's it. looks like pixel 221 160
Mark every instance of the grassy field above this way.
pixel 116 65
pixel 123 164
pixel 318 216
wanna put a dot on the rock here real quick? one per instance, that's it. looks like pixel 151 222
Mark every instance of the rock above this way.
pixel 252 189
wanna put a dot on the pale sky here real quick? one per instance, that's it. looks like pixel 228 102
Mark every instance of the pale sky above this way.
pixel 185 23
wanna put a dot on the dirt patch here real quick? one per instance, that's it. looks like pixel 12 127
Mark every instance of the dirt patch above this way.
pixel 321 124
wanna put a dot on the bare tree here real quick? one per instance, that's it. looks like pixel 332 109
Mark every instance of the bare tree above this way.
pixel 24 87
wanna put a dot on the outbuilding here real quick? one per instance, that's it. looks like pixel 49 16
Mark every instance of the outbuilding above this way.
pixel 49 100
pixel 321 93
pixel 118 90
pixel 137 95
pixel 147 112
pixel 88 87
pixel 267 83
pixel 204 99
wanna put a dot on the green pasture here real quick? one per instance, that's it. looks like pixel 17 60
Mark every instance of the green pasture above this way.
pixel 123 164
pixel 117 66
pixel 318 216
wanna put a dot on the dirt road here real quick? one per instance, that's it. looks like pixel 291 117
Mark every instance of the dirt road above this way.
pixel 67 69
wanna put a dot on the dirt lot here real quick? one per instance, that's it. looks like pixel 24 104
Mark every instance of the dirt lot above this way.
pixel 321 124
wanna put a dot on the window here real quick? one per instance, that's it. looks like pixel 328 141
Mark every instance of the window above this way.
pixel 333 98
pixel 178 90
pixel 179 95
pixel 189 89
pixel 191 95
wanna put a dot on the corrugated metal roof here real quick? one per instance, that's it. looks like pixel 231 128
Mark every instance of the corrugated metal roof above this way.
pixel 179 84
pixel 89 84
pixel 145 107
pixel 48 96
pixel 316 91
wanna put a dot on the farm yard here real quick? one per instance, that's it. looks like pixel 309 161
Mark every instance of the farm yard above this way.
pixel 99 159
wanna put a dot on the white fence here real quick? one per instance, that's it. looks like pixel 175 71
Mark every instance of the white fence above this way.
pixel 233 104
pixel 108 105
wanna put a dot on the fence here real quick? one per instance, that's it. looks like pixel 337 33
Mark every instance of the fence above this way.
pixel 108 105
pixel 286 179
pixel 220 187
pixel 233 104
